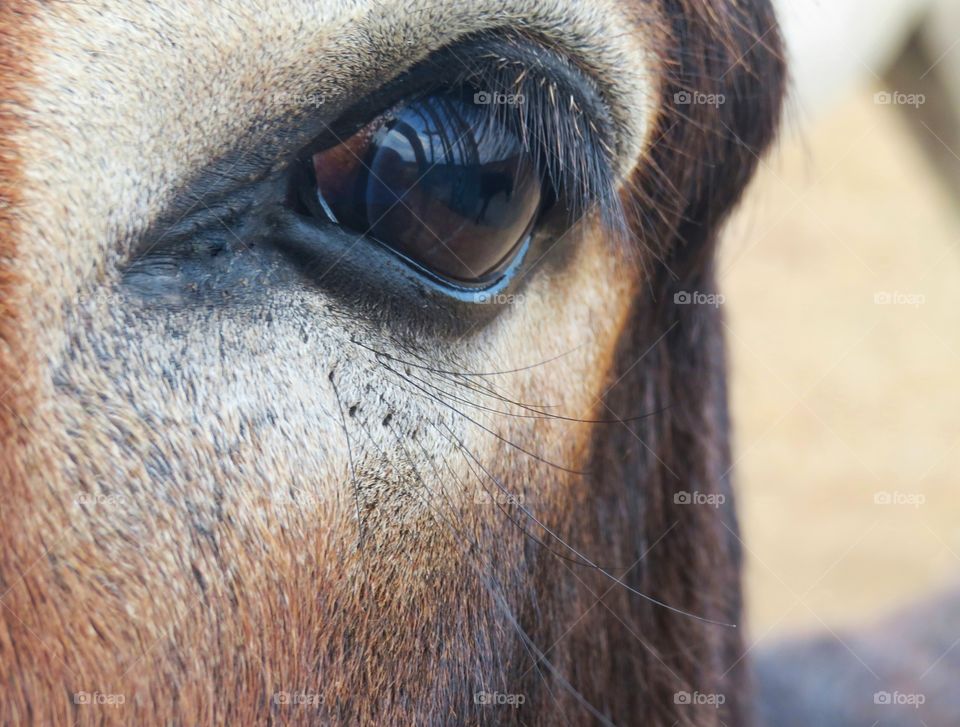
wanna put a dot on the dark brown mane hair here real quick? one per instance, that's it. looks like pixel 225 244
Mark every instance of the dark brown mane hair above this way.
pixel 672 361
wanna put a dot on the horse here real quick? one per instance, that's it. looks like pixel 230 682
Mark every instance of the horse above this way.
pixel 300 425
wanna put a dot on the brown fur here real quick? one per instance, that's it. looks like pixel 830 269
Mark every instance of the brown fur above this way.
pixel 17 40
pixel 203 596
pixel 18 366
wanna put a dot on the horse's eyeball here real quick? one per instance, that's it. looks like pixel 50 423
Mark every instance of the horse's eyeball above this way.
pixel 441 181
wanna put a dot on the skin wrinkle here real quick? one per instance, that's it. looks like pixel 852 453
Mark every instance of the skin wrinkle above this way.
pixel 183 527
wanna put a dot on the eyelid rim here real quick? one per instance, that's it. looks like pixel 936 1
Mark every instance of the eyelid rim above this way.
pixel 534 63
pixel 285 147
pixel 433 72
pixel 579 163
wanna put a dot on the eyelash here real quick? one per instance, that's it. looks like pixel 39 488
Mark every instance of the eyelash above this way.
pixel 571 152
pixel 562 122
pixel 570 147
pixel 557 114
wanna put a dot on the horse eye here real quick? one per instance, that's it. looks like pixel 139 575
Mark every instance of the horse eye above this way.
pixel 442 182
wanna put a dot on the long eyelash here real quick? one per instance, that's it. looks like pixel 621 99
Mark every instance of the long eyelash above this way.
pixel 570 146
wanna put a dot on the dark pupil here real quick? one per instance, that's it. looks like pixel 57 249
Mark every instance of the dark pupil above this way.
pixel 447 186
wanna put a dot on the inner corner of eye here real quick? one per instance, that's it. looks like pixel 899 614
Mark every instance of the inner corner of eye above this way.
pixel 437 181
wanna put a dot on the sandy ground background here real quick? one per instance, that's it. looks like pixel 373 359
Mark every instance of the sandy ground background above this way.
pixel 842 277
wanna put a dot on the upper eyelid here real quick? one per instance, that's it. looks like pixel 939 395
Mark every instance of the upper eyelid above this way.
pixel 159 128
pixel 564 116
pixel 488 50
pixel 193 201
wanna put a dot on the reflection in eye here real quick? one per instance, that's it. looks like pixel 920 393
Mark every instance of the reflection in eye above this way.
pixel 443 182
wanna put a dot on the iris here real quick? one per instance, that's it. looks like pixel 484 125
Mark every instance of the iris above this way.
pixel 442 181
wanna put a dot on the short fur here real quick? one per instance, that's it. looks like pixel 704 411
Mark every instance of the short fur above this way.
pixel 218 511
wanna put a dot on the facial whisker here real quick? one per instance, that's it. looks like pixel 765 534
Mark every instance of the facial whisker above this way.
pixel 489 431
pixel 511 497
pixel 488 389
pixel 495 592
pixel 536 413
pixel 604 571
pixel 473 373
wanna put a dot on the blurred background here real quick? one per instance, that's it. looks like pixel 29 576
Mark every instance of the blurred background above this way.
pixel 842 280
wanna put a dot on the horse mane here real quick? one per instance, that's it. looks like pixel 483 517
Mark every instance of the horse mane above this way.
pixel 671 361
